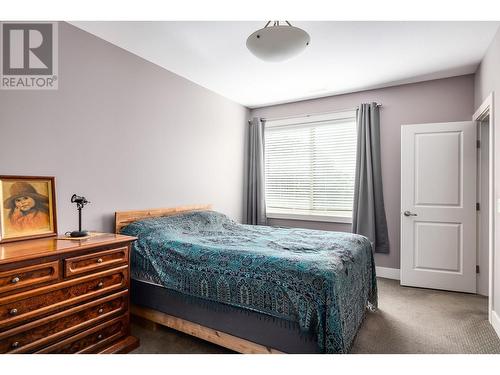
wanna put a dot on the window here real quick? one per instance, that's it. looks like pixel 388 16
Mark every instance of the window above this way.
pixel 310 167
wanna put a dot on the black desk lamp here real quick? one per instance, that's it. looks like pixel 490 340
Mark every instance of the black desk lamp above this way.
pixel 80 202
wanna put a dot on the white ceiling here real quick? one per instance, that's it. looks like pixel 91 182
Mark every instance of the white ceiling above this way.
pixel 342 57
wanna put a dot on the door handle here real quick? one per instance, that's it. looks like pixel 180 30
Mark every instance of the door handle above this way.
pixel 408 213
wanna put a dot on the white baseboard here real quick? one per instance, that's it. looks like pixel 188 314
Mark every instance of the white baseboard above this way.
pixel 495 322
pixel 388 273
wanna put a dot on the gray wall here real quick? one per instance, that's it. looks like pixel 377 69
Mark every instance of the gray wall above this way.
pixel 125 133
pixel 487 80
pixel 443 100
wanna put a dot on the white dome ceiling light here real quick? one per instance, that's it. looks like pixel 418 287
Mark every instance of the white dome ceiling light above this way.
pixel 278 42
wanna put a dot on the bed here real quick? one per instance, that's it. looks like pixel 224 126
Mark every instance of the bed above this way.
pixel 253 289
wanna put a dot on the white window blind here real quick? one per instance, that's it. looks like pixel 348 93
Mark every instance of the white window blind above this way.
pixel 310 167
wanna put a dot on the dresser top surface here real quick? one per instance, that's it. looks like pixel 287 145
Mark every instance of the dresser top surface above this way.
pixel 30 249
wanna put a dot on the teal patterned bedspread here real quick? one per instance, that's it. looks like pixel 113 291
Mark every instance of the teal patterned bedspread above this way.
pixel 322 280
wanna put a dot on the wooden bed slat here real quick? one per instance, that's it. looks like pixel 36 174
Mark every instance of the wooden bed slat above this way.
pixel 208 334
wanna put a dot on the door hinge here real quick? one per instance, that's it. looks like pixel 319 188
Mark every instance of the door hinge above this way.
pixel 478 143
pixel 478 207
pixel 477 269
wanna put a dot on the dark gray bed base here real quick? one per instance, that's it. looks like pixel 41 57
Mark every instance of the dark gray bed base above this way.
pixel 250 325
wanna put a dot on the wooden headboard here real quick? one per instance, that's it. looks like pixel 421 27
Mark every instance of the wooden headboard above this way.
pixel 124 218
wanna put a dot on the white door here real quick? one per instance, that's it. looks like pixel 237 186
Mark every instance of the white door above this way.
pixel 438 206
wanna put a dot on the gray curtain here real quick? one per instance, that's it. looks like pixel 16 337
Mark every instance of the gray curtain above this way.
pixel 256 204
pixel 368 216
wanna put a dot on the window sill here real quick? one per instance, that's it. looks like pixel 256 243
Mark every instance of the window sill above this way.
pixel 309 217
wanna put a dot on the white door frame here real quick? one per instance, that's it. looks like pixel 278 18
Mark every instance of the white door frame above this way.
pixel 486 108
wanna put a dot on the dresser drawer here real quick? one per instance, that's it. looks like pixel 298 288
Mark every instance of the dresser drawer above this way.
pixel 28 305
pixel 91 340
pixel 29 276
pixel 95 261
pixel 26 338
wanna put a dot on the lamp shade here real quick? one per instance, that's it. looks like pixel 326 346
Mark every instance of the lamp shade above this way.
pixel 278 43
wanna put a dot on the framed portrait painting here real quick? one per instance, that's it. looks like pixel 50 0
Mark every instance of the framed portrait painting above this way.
pixel 27 208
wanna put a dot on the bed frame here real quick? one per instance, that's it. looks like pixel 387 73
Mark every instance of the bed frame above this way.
pixel 122 219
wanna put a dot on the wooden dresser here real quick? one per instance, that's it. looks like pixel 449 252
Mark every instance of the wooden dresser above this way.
pixel 62 296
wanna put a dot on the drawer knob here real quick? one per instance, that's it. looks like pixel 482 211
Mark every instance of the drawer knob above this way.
pixel 99 337
pixel 100 311
pixel 100 285
pixel 15 280
pixel 99 260
pixel 13 312
pixel 14 345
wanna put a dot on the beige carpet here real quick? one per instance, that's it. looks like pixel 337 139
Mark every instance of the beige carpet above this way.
pixel 409 320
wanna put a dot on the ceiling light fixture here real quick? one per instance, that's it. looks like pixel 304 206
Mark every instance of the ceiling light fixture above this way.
pixel 278 42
